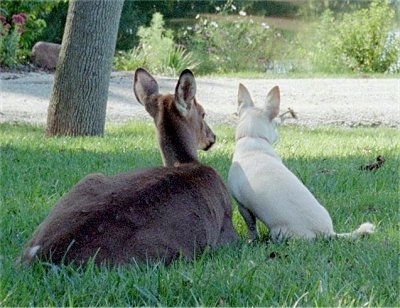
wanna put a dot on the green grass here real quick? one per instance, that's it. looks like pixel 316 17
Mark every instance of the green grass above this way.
pixel 36 172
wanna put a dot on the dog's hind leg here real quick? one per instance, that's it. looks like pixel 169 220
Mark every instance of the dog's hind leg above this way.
pixel 250 220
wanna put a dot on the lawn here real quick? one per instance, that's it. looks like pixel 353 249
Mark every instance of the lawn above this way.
pixel 36 172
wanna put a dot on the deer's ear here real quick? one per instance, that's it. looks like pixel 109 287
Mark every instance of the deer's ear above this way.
pixel 144 85
pixel 185 91
pixel 244 99
pixel 272 103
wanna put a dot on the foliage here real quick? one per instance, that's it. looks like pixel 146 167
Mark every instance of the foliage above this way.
pixel 129 60
pixel 339 42
pixel 10 35
pixel 313 9
pixel 156 51
pixel 234 43
pixel 34 24
pixel 133 15
pixel 178 59
pixel 365 39
pixel 55 22
pixel 270 8
pixel 361 41
pixel 37 171
pixel 139 12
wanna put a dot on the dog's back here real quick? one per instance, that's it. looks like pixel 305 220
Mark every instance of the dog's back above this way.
pixel 264 187
pixel 261 183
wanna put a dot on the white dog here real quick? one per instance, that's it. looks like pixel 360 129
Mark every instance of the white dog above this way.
pixel 265 188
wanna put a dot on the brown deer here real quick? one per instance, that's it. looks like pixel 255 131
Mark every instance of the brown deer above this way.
pixel 156 214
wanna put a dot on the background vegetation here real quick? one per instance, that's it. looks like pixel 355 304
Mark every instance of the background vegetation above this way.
pixel 36 172
pixel 228 36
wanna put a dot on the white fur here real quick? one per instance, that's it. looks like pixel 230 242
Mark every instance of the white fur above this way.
pixel 264 187
pixel 33 251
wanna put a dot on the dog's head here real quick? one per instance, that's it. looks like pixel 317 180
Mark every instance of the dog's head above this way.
pixel 258 122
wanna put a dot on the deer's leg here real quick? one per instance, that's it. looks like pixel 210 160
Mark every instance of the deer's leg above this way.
pixel 228 233
pixel 250 220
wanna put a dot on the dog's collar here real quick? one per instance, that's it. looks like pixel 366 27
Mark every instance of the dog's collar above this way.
pixel 256 137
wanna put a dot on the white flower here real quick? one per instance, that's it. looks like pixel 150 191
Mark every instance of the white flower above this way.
pixel 265 25
pixel 242 13
pixel 214 24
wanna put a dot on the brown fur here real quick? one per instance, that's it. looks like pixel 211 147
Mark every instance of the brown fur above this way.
pixel 150 214
pixel 45 55
pixel 179 119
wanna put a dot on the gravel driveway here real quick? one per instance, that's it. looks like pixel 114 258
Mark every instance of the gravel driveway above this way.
pixel 25 96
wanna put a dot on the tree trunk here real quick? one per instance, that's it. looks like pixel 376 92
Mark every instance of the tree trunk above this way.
pixel 80 90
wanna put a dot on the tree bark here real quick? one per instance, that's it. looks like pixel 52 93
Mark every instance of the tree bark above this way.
pixel 80 90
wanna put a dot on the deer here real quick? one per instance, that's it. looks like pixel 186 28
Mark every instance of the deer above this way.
pixel 158 214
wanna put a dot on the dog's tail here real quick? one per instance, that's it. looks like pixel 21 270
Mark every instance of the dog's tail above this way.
pixel 364 229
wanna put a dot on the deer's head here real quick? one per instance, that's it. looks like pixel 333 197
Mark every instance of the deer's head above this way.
pixel 179 118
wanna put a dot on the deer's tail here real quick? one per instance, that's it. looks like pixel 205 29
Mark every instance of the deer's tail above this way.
pixel 364 229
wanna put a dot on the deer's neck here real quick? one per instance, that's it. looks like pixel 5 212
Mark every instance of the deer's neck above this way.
pixel 173 152
pixel 176 144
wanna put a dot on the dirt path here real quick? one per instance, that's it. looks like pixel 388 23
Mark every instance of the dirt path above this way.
pixel 24 97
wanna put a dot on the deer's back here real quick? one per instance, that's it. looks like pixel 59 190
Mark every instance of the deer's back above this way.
pixel 154 214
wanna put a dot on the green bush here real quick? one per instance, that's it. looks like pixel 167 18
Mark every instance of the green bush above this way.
pixel 156 51
pixel 32 27
pixel 313 9
pixel 318 47
pixel 360 42
pixel 55 22
pixel 10 36
pixel 234 43
pixel 133 15
pixel 364 39
pixel 129 60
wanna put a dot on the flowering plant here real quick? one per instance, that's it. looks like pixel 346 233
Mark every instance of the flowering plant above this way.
pixel 10 34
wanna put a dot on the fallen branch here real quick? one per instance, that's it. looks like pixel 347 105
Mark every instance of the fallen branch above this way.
pixel 291 112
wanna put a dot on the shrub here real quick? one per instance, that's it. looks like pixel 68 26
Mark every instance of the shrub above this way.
pixel 229 43
pixel 156 51
pixel 177 59
pixel 322 45
pixel 365 42
pixel 32 27
pixel 128 60
pixel 361 41
pixel 10 35
pixel 55 22
pixel 134 14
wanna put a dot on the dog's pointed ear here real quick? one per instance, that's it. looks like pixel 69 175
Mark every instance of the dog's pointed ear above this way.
pixel 144 85
pixel 244 98
pixel 185 91
pixel 272 103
